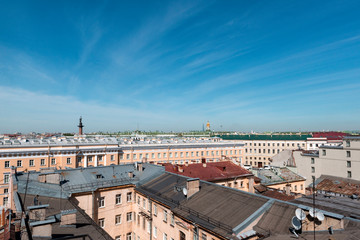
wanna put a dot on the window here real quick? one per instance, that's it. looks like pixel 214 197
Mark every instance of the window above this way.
pixel 42 162
pixel 138 201
pixel 140 156
pixel 164 155
pixel 165 236
pixel 144 203
pixel 118 219
pixel 347 143
pixel 117 237
pixel 348 163
pixel 134 156
pixel 7 164
pixel 53 161
pixel 127 156
pixel 5 201
pixel 68 161
pixel 129 197
pixel 170 155
pixel 155 232
pixel 89 158
pixel 312 169
pixel 172 220
pixel 128 236
pixel 19 163
pixel 159 155
pixel 324 152
pixel 79 159
pixel 349 174
pixel 148 226
pixel 301 187
pixel 203 236
pixel 129 216
pixel 312 160
pixel 155 210
pixel 182 236
pixel 6 190
pixel 112 158
pixel 102 222
pixel 165 216
pixel 295 187
pixel 118 199
pixel 348 154
pixel 102 202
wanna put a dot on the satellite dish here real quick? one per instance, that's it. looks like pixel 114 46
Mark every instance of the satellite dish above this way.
pixel 320 216
pixel 296 223
pixel 300 214
pixel 312 212
pixel 185 191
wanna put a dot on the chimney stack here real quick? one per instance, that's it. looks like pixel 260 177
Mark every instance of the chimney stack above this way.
pixel 180 168
pixel 288 189
pixel 203 160
pixel 192 186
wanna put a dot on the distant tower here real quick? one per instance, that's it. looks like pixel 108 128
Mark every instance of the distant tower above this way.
pixel 80 126
pixel 207 126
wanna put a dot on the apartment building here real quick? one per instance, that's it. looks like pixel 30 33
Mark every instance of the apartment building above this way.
pixel 142 201
pixel 61 152
pixel 259 149
pixel 340 161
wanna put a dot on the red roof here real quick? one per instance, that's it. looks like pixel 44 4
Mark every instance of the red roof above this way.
pixel 330 135
pixel 210 172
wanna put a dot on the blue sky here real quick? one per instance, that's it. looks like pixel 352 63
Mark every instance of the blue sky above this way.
pixel 173 65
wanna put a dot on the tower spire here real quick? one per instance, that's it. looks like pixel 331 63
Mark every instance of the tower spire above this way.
pixel 80 126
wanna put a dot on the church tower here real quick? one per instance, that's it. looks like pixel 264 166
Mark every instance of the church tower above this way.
pixel 207 126
pixel 80 126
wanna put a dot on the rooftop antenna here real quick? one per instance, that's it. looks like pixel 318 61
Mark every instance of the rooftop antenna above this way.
pixel 313 178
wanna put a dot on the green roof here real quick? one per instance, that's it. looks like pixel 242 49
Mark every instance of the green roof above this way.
pixel 265 137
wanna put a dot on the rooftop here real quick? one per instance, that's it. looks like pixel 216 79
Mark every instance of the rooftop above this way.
pixel 265 137
pixel 277 175
pixel 210 171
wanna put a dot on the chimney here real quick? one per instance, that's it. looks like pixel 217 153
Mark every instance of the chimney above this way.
pixel 192 186
pixel 288 189
pixel 251 185
pixel 180 168
pixel 186 163
pixel 130 174
pixel 140 167
pixel 203 160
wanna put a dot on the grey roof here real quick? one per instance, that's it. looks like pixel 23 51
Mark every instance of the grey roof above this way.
pixel 86 179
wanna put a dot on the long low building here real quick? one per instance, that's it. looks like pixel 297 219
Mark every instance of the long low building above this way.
pixel 82 152
pixel 141 201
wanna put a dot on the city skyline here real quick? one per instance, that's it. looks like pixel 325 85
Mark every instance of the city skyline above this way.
pixel 262 66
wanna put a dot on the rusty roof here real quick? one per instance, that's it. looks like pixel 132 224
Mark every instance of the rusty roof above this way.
pixel 338 185
pixel 211 171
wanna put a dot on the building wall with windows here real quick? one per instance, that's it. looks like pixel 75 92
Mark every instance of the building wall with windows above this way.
pixel 340 161
pixel 258 153
pixel 60 153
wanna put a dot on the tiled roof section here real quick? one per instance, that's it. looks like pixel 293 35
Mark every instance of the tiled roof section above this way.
pixel 211 171
pixel 338 185
pixel 330 135
pixel 265 137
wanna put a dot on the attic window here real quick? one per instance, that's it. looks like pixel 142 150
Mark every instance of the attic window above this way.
pixel 98 176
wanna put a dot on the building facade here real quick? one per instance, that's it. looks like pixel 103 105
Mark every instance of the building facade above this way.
pixel 340 161
pixel 60 153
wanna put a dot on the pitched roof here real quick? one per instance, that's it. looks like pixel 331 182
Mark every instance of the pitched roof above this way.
pixel 211 171
pixel 338 185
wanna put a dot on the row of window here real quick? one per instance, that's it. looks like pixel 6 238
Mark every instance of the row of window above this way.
pixel 269 151
pixel 276 144
pixel 181 154
pixel 348 153
pixel 19 163
pixel 118 199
